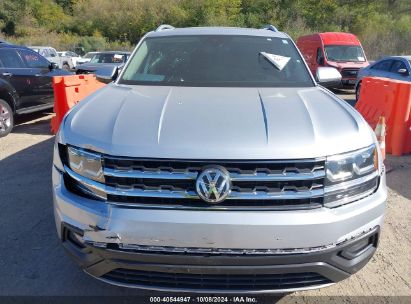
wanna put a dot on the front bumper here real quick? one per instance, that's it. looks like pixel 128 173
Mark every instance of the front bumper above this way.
pixel 307 248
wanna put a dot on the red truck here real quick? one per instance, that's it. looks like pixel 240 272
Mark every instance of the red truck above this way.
pixel 342 51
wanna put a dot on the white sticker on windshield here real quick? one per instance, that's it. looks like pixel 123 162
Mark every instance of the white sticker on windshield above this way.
pixel 118 56
pixel 279 61
pixel 285 41
pixel 360 58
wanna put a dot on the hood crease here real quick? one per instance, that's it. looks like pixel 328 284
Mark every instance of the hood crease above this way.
pixel 264 116
pixel 309 115
pixel 163 110
pixel 123 102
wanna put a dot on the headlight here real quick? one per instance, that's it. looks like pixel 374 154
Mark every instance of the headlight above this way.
pixel 350 176
pixel 352 165
pixel 85 163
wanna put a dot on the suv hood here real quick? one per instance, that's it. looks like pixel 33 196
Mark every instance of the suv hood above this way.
pixel 348 64
pixel 215 123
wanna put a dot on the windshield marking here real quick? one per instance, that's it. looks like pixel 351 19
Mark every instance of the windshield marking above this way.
pixel 278 61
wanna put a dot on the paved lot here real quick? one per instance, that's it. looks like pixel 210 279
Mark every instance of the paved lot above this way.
pixel 32 262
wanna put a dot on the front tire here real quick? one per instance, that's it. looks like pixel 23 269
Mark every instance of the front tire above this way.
pixel 66 67
pixel 6 118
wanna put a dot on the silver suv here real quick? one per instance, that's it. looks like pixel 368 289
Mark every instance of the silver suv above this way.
pixel 217 163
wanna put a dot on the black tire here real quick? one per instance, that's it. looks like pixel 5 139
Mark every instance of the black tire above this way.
pixel 357 92
pixel 6 118
pixel 66 66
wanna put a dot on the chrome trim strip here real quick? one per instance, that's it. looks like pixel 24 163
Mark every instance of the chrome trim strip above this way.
pixel 219 207
pixel 230 251
pixel 161 174
pixel 255 195
pixel 219 161
pixel 220 251
pixel 286 195
pixel 290 176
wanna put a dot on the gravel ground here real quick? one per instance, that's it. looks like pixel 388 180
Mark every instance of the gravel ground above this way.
pixel 35 263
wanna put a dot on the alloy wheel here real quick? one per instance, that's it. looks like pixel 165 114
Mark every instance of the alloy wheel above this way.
pixel 5 119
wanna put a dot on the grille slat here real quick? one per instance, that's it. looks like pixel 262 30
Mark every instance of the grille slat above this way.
pixel 195 165
pixel 218 281
pixel 349 72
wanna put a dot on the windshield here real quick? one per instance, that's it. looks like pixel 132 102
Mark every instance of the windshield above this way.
pixel 89 55
pixel 220 60
pixel 108 58
pixel 353 53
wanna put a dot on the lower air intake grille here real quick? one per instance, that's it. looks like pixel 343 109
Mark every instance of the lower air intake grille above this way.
pixel 224 282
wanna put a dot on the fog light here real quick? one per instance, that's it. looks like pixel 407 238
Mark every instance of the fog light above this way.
pixel 360 247
pixel 76 239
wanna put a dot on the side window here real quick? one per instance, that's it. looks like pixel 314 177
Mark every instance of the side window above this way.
pixel 398 64
pixel 320 56
pixel 53 53
pixel 44 52
pixel 11 59
pixel 383 65
pixel 34 60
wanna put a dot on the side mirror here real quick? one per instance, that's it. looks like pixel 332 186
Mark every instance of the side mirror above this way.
pixel 321 61
pixel 104 78
pixel 53 66
pixel 328 76
pixel 403 72
pixel 107 74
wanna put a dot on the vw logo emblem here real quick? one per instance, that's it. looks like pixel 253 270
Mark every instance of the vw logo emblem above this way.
pixel 213 184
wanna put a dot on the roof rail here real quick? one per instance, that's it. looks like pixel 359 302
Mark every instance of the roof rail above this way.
pixel 270 28
pixel 164 27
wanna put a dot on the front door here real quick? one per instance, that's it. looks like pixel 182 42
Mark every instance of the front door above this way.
pixel 14 71
pixel 42 82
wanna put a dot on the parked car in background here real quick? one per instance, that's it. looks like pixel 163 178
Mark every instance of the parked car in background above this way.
pixel 342 51
pixel 106 64
pixel 25 83
pixel 51 55
pixel 71 58
pixel 216 163
pixel 394 67
pixel 86 58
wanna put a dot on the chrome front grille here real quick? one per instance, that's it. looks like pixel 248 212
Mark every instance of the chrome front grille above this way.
pixel 164 183
pixel 255 184
pixel 350 72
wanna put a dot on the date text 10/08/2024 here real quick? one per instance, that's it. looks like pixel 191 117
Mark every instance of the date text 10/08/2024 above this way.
pixel 204 299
